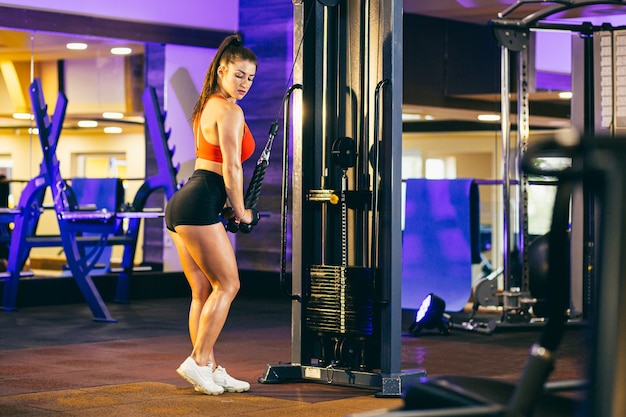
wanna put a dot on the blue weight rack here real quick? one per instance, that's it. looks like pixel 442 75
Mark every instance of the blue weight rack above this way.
pixel 83 233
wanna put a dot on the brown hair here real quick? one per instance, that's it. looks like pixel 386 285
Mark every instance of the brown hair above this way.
pixel 229 51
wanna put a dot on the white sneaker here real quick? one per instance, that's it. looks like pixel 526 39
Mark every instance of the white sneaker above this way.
pixel 230 384
pixel 201 377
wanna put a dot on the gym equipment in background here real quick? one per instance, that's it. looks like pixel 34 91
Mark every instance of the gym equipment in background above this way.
pixel 83 233
pixel 451 396
pixel 513 30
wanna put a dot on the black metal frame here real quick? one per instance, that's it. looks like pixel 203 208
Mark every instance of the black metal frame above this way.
pixel 351 76
pixel 513 36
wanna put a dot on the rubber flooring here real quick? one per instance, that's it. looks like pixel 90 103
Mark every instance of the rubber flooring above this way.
pixel 56 361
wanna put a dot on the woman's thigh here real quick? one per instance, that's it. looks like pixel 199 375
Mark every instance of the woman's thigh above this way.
pixel 212 252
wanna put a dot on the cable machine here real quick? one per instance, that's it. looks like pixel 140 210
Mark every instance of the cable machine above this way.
pixel 597 173
pixel 346 229
pixel 512 30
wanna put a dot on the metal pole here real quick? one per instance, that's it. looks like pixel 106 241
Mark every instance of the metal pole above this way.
pixel 523 133
pixel 297 208
pixel 390 256
pixel 506 143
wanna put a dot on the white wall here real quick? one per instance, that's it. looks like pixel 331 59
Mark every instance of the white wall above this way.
pixel 208 14
pixel 185 68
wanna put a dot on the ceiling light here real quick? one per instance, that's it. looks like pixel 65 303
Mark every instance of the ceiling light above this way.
pixel 87 123
pixel 121 51
pixel 113 115
pixel 112 129
pixel 76 46
pixel 22 116
pixel 429 117
pixel 565 95
pixel 488 117
pixel 411 117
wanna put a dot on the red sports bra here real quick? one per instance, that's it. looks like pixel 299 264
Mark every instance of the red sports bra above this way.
pixel 212 152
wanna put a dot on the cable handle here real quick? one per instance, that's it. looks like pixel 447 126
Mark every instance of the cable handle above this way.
pixel 254 188
pixel 384 298
pixel 285 197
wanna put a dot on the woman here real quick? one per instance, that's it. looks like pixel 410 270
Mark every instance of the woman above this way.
pixel 223 141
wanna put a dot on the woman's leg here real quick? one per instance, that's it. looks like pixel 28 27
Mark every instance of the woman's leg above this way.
pixel 207 257
pixel 198 282
pixel 211 252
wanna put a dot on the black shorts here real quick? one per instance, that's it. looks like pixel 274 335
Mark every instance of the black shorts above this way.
pixel 198 202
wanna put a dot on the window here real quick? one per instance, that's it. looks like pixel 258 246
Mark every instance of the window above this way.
pixel 440 168
pixel 541 197
pixel 97 165
pixel 6 167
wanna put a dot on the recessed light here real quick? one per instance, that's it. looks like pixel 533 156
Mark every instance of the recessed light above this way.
pixel 22 116
pixel 411 117
pixel 121 51
pixel 488 117
pixel 87 123
pixel 112 129
pixel 113 115
pixel 565 95
pixel 76 46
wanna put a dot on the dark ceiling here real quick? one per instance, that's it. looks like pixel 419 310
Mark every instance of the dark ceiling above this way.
pixel 472 11
pixel 482 11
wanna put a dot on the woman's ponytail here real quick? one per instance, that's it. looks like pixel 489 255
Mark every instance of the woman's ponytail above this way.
pixel 229 50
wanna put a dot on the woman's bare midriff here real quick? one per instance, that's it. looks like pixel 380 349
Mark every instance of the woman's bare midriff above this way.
pixel 207 165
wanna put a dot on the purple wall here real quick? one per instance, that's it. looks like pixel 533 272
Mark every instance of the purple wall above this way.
pixel 267 28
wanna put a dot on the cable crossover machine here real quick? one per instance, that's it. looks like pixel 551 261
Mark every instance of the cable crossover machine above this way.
pixel 592 224
pixel 346 199
pixel 595 108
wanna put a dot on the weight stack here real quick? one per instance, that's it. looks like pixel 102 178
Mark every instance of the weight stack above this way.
pixel 340 300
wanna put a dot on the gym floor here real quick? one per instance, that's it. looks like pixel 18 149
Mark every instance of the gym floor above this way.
pixel 56 361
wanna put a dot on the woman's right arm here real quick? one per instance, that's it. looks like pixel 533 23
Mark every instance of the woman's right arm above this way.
pixel 230 131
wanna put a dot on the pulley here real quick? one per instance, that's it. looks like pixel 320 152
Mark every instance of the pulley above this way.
pixel 344 152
